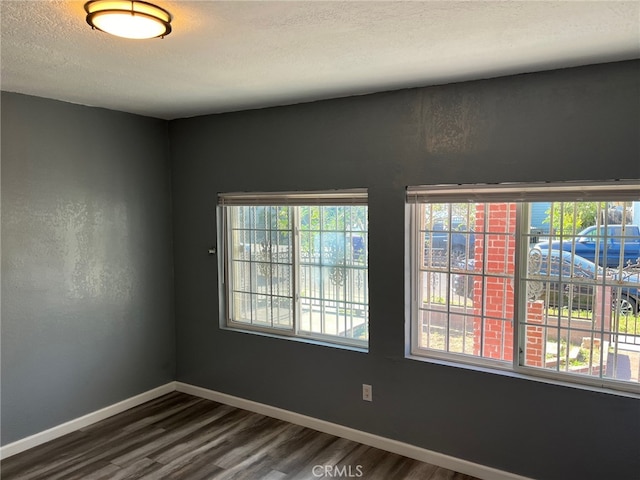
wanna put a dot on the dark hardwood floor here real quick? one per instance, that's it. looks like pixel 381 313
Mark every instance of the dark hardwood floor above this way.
pixel 179 436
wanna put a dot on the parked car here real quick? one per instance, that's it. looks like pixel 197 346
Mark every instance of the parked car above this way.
pixel 626 299
pixel 609 247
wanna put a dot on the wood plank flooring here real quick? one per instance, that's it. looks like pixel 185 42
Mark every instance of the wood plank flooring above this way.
pixel 179 436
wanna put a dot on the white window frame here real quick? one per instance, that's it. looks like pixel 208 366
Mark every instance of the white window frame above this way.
pixel 521 194
pixel 350 197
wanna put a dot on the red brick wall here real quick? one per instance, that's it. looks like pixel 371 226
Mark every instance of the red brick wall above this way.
pixel 535 335
pixel 496 333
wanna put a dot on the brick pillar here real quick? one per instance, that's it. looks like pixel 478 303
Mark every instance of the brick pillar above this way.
pixel 534 356
pixel 498 295
pixel 477 282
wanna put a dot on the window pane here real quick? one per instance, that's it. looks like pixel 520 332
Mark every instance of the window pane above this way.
pixel 333 271
pixel 582 283
pixel 465 279
pixel 314 284
pixel 578 292
pixel 260 266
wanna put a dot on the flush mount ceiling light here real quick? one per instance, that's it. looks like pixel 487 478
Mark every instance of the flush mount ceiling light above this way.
pixel 128 19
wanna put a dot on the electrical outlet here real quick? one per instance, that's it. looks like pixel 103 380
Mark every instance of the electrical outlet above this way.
pixel 367 392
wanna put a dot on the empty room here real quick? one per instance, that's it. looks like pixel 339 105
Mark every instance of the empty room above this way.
pixel 320 239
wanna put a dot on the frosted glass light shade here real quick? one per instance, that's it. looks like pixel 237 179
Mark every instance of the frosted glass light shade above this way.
pixel 128 19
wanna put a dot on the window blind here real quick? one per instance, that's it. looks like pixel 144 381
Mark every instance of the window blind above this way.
pixel 623 190
pixel 356 196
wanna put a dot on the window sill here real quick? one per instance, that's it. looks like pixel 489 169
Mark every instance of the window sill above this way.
pixel 507 371
pixel 299 339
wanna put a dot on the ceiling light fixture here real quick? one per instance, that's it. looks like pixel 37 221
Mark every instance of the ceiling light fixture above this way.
pixel 128 18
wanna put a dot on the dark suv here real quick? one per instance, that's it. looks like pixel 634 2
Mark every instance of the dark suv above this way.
pixel 458 241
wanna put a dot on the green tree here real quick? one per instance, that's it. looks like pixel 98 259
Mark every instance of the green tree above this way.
pixel 334 222
pixel 571 217
pixel 463 216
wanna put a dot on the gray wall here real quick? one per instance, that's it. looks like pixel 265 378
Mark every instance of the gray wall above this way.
pixel 87 309
pixel 87 274
pixel 576 124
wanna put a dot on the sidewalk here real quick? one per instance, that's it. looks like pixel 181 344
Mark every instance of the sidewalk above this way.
pixel 627 366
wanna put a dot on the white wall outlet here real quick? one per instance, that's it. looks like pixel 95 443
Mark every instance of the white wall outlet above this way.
pixel 367 392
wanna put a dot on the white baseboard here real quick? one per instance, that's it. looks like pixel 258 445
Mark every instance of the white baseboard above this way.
pixel 81 422
pixel 394 446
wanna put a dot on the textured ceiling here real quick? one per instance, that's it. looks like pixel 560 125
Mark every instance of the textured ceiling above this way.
pixel 225 56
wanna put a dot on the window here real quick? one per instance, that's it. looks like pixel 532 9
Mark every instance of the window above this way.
pixel 296 264
pixel 525 277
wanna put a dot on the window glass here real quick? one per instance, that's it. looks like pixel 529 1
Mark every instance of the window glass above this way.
pixel 550 287
pixel 297 270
